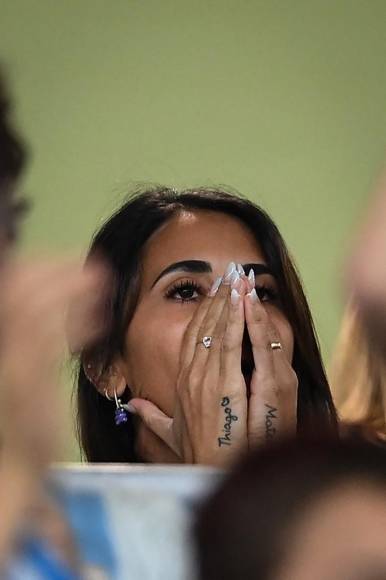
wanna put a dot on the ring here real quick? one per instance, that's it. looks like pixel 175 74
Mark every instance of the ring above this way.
pixel 276 345
pixel 206 341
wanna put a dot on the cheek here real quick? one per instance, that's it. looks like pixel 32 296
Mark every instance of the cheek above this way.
pixel 153 346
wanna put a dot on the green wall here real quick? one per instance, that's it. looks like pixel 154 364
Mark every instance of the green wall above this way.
pixel 284 100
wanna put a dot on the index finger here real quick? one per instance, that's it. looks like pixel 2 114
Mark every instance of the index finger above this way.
pixel 191 333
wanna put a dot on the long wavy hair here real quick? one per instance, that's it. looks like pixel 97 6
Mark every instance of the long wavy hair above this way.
pixel 121 241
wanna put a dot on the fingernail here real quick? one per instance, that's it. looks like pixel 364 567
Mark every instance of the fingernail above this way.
pixel 234 278
pixel 215 286
pixel 253 297
pixel 251 278
pixel 130 408
pixel 240 270
pixel 235 297
pixel 229 272
pixel 230 268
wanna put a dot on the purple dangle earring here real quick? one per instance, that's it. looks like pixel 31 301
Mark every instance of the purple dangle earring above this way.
pixel 120 413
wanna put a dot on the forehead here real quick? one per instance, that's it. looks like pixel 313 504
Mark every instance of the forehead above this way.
pixel 202 235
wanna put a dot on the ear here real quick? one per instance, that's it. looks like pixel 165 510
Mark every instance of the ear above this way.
pixel 109 381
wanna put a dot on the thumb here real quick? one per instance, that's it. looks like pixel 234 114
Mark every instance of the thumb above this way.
pixel 154 419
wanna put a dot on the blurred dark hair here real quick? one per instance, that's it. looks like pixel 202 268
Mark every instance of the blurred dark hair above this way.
pixel 121 240
pixel 12 161
pixel 243 530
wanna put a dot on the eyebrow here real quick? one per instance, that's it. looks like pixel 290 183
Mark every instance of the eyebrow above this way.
pixel 193 266
pixel 258 269
pixel 202 267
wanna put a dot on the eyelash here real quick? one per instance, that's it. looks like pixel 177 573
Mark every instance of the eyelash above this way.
pixel 189 285
pixel 265 293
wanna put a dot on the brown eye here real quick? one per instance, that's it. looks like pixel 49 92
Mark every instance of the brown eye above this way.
pixel 267 294
pixel 184 292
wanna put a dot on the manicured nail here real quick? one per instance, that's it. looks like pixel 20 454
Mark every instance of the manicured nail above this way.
pixel 240 270
pixel 230 269
pixel 253 297
pixel 251 278
pixel 130 408
pixel 234 278
pixel 215 286
pixel 235 297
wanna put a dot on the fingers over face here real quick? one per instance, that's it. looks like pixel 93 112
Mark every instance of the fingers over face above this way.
pixel 232 341
pixel 192 332
pixel 262 335
pixel 213 325
pixel 273 401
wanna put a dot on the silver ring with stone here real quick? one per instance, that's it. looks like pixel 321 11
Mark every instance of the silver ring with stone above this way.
pixel 206 341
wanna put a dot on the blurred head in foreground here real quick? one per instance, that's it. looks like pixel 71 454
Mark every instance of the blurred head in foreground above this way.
pixel 299 510
pixel 12 161
pixel 358 375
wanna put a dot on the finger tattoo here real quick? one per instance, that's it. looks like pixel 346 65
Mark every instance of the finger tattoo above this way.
pixel 226 438
pixel 271 418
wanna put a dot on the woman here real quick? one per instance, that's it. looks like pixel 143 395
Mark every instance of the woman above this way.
pixel 358 376
pixel 213 357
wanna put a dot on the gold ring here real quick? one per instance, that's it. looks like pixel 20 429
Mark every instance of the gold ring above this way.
pixel 276 345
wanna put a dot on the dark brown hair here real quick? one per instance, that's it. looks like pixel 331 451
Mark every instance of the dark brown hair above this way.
pixel 12 161
pixel 121 240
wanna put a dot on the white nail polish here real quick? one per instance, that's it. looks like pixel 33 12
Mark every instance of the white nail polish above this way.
pixel 240 270
pixel 251 278
pixel 235 297
pixel 230 268
pixel 253 297
pixel 129 407
pixel 215 286
pixel 229 273
pixel 234 278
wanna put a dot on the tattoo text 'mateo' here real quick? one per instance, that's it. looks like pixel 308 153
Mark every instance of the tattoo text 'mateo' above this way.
pixel 270 416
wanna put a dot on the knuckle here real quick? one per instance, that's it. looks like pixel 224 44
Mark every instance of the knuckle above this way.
pixel 229 345
pixel 216 345
pixel 275 388
pixel 210 323
pixel 287 386
pixel 194 380
pixel 259 315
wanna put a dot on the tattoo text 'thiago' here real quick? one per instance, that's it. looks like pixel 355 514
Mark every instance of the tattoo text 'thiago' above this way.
pixel 226 438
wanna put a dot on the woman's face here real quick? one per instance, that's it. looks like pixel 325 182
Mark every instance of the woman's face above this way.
pixel 180 262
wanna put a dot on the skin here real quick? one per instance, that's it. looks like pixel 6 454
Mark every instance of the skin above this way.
pixel 180 407
pixel 34 301
pixel 341 538
pixel 366 272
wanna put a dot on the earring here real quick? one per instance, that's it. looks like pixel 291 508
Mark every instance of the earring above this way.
pixel 106 393
pixel 120 413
